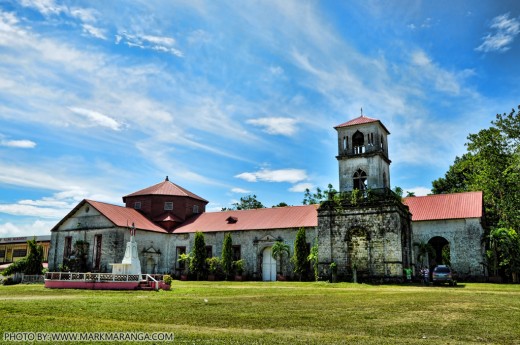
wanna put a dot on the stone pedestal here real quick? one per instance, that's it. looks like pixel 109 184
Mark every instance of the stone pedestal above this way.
pixel 131 263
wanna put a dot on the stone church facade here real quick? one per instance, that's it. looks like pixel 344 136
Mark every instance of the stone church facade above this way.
pixel 365 229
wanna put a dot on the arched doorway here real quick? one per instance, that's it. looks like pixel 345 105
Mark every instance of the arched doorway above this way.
pixel 441 246
pixel 268 265
pixel 150 266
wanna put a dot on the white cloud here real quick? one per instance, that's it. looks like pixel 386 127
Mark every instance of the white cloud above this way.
pixel 37 228
pixel 281 175
pixel 93 31
pixel 96 118
pixel 240 190
pixel 23 144
pixel 276 125
pixel 158 43
pixel 505 30
pixel 45 7
pixel 419 191
pixel 86 15
pixel 301 187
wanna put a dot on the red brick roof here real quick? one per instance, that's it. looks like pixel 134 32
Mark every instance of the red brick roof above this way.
pixel 445 206
pixel 359 121
pixel 258 219
pixel 165 188
pixel 125 216
pixel 120 216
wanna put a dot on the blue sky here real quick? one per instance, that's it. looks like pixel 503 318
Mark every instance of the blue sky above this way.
pixel 228 98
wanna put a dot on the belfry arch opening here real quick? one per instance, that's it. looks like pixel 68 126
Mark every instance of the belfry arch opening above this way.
pixel 358 142
pixel 360 180
pixel 441 246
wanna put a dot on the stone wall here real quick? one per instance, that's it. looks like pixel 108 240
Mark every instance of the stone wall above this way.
pixel 465 239
pixel 372 239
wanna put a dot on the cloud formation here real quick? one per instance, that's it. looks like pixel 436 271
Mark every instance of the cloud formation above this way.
pixel 276 125
pixel 504 31
pixel 22 144
pixel 96 119
pixel 281 175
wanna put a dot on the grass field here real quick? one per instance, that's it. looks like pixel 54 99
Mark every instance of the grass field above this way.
pixel 267 313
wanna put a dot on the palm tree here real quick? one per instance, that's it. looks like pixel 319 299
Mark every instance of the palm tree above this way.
pixel 424 251
pixel 277 251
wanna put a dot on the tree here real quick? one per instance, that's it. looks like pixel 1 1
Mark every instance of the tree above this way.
pixel 424 251
pixel 247 203
pixel 198 258
pixel 491 165
pixel 319 196
pixel 227 255
pixel 410 194
pixel 30 264
pixel 313 258
pixel 281 204
pixel 277 252
pixel 299 258
pixel 504 252
pixel 34 258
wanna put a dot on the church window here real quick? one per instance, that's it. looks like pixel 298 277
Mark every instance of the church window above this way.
pixel 382 143
pixel 137 205
pixel 360 180
pixel 236 253
pixel 181 265
pixel 168 206
pixel 67 248
pixel 358 142
pixel 2 255
pixel 195 208
pixel 209 251
pixel 97 252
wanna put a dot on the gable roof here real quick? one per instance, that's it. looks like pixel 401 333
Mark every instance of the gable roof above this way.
pixel 165 188
pixel 257 219
pixel 445 206
pixel 118 215
pixel 361 120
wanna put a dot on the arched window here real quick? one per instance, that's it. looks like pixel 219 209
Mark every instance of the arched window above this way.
pixel 360 180
pixel 358 142
pixel 382 143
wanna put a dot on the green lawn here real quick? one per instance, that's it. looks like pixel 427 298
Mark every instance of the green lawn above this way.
pixel 266 313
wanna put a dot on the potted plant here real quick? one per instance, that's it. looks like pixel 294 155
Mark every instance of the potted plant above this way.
pixel 166 282
pixel 213 266
pixel 185 258
pixel 334 271
pixel 239 269
pixel 277 251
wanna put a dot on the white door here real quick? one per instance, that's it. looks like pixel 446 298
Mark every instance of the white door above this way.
pixel 268 266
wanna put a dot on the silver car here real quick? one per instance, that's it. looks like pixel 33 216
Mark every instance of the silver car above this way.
pixel 443 274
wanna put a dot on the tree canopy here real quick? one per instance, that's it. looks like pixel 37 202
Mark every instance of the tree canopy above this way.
pixel 249 202
pixel 491 165
pixel 317 197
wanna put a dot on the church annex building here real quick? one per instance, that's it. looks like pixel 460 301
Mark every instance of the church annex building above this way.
pixel 364 228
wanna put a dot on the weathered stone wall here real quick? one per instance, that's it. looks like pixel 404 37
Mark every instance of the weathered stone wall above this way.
pixel 465 239
pixel 252 244
pixel 374 239
pixel 87 222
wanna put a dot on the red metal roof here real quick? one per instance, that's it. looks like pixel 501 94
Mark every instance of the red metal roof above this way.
pixel 258 219
pixel 124 216
pixel 165 188
pixel 359 121
pixel 445 206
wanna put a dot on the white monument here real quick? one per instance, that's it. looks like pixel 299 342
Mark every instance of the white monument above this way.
pixel 131 263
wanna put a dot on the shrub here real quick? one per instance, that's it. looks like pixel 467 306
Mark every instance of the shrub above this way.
pixel 213 264
pixel 167 279
pixel 227 255
pixel 198 260
pixel 239 266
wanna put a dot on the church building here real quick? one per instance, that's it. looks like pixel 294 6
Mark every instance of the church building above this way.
pixel 365 229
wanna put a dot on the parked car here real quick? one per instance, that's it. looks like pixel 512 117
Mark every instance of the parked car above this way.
pixel 443 274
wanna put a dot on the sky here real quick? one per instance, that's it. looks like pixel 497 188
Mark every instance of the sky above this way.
pixel 99 99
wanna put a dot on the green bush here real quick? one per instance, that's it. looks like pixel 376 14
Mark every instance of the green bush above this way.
pixel 167 279
pixel 239 266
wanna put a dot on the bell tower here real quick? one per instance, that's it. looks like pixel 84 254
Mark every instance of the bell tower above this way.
pixel 363 154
